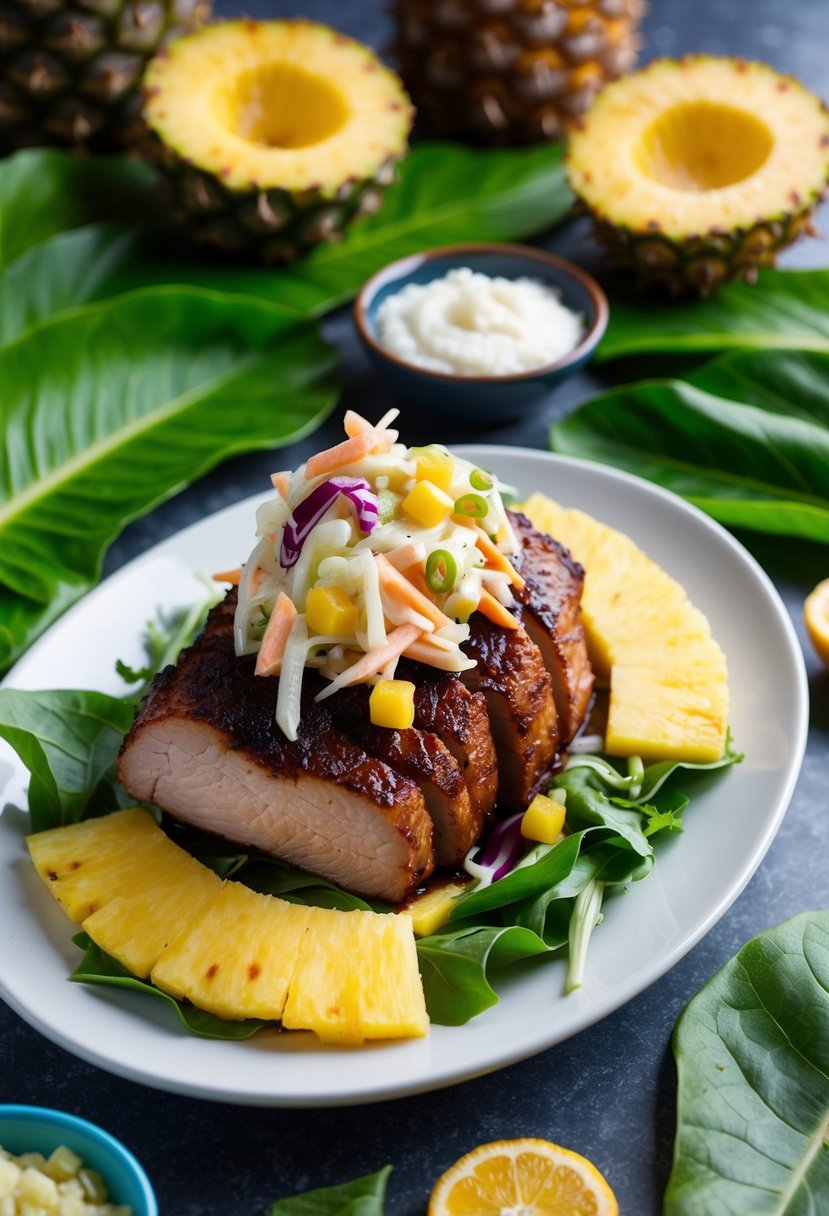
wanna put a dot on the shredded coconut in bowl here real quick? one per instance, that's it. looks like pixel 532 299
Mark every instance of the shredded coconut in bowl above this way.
pixel 469 324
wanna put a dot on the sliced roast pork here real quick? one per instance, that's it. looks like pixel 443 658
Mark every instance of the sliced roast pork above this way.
pixel 425 759
pixel 205 748
pixel 549 608
pixel 510 672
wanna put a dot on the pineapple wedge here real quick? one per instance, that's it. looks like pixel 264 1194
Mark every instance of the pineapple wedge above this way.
pixel 87 864
pixel 237 958
pixel 668 676
pixel 357 978
pixel 346 976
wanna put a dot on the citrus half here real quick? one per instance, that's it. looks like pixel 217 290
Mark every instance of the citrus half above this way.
pixel 524 1177
pixel 816 617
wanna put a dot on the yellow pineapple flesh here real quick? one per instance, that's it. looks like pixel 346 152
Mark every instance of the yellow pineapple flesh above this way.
pixel 87 864
pixel 237 957
pixel 668 675
pixel 137 924
pixel 357 978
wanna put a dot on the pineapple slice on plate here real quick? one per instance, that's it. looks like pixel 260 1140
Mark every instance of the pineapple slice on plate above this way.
pixel 668 676
pixel 87 864
pixel 154 907
pixel 512 71
pixel 357 978
pixel 237 957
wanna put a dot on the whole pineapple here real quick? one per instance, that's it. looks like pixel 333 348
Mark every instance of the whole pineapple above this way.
pixel 511 71
pixel 70 70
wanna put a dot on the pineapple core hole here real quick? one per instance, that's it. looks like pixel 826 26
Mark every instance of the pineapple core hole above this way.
pixel 703 145
pixel 279 106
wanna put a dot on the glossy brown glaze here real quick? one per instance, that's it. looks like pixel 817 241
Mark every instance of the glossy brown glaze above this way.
pixel 549 608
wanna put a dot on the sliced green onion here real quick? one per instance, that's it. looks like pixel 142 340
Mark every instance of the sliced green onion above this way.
pixel 480 479
pixel 472 505
pixel 441 570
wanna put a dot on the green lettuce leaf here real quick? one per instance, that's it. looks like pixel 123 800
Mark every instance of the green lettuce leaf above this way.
pixel 109 410
pixel 752 1052
pixel 746 439
pixel 360 1197
pixel 785 310
pixel 69 741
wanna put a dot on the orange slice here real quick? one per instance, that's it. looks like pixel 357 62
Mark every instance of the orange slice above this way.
pixel 533 1177
pixel 816 616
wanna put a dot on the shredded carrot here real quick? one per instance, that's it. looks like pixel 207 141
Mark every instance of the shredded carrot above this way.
pixel 374 660
pixel 281 483
pixel 355 424
pixel 403 589
pixel 497 560
pixel 425 649
pixel 269 659
pixel 407 555
pixel 234 577
pixel 349 452
pixel 495 611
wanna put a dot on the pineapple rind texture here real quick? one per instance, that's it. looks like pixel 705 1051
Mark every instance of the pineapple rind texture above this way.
pixel 668 676
pixel 70 72
pixel 248 170
pixel 638 162
pixel 512 71
pixel 237 953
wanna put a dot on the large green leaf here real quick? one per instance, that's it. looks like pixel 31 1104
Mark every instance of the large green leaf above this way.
pixel 44 191
pixel 784 310
pixel 752 1051
pixel 746 439
pixel 110 409
pixel 446 194
pixel 360 1197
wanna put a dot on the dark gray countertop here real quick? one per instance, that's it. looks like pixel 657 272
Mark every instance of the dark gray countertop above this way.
pixel 608 1092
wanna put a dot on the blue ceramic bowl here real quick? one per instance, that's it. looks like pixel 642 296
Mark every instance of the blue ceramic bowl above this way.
pixel 481 400
pixel 37 1129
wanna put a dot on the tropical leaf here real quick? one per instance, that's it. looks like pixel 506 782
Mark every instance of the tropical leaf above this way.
pixel 752 1052
pixel 110 409
pixel 44 191
pixel 746 439
pixel 784 310
pixel 360 1197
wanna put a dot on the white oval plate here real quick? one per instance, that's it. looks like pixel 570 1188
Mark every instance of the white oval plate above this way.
pixel 728 829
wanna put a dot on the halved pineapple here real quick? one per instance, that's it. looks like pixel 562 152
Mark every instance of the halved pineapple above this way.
pixel 274 135
pixel 357 978
pixel 668 676
pixel 237 957
pixel 87 864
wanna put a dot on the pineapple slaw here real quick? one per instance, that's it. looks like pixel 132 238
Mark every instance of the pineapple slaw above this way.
pixel 401 544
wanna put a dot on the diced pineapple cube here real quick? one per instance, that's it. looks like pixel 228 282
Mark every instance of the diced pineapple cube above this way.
pixel 392 704
pixel 63 1163
pixel 237 958
pixel 543 819
pixel 427 504
pixel 436 467
pixel 357 978
pixel 430 911
pixel 329 610
pixel 38 1189
pixel 9 1176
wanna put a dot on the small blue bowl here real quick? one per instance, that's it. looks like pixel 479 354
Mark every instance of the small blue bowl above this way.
pixel 481 400
pixel 37 1129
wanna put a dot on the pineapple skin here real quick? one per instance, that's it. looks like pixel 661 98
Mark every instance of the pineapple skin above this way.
pixel 512 71
pixel 694 255
pixel 70 73
pixel 260 211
